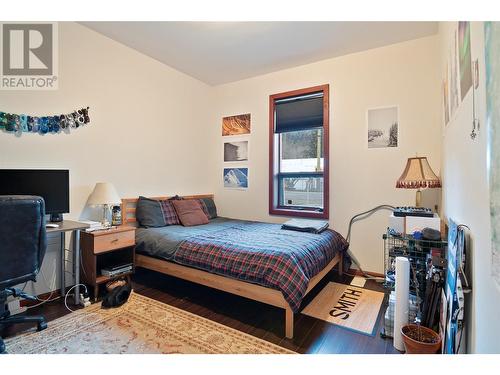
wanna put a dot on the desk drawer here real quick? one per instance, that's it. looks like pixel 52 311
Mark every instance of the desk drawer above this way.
pixel 113 241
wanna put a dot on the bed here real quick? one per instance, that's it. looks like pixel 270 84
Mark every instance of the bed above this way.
pixel 255 260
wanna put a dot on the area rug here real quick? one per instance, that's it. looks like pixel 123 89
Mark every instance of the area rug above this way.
pixel 142 325
pixel 348 306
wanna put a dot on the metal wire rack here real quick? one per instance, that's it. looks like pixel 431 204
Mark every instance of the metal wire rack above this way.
pixel 419 253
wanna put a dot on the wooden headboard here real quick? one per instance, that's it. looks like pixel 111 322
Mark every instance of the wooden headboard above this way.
pixel 128 207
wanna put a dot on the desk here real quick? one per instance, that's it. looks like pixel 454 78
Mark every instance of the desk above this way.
pixel 75 227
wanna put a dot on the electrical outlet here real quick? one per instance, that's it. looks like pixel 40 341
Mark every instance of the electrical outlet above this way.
pixel 14 306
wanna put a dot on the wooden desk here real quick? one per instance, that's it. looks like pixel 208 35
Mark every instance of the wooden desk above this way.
pixel 75 227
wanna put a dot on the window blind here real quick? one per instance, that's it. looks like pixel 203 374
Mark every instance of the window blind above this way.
pixel 300 113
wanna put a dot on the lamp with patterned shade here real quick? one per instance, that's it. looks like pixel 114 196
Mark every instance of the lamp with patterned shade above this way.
pixel 418 174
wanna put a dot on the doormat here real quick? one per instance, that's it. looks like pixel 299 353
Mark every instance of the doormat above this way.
pixel 347 306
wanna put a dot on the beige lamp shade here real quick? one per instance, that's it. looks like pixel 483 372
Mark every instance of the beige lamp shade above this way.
pixel 104 193
pixel 418 174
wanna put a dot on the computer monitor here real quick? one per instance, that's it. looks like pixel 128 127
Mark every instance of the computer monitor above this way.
pixel 51 184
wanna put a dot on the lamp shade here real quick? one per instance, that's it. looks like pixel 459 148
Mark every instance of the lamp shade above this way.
pixel 104 193
pixel 418 174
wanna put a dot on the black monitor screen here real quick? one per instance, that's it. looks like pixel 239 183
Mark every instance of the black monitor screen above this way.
pixel 51 184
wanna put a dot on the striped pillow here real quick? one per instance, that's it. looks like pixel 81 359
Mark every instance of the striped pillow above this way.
pixel 208 207
pixel 204 208
pixel 169 213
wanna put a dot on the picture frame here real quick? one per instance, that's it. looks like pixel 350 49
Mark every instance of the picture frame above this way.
pixel 380 125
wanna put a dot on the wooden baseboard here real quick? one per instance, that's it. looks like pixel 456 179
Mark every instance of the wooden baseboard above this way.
pixel 41 297
pixel 356 272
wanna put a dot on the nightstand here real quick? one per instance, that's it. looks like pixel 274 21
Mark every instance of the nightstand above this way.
pixel 104 249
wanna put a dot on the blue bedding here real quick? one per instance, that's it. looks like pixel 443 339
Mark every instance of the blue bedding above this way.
pixel 163 242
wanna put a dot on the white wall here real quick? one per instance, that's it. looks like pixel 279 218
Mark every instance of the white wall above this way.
pixel 404 74
pixel 148 122
pixel 146 118
pixel 466 195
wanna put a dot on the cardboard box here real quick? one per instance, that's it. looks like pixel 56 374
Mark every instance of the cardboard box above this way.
pixel 410 224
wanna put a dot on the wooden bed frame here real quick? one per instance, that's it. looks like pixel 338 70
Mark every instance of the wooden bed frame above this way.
pixel 241 288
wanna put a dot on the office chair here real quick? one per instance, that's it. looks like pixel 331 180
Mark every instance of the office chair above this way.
pixel 22 248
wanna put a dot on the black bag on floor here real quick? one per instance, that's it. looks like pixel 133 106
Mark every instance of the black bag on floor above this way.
pixel 118 293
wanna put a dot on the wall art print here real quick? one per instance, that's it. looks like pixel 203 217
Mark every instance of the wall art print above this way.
pixel 236 151
pixel 454 78
pixel 236 178
pixel 383 126
pixel 492 59
pixel 446 100
pixel 464 58
pixel 236 125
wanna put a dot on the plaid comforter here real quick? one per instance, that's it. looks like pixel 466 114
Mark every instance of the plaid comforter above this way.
pixel 263 254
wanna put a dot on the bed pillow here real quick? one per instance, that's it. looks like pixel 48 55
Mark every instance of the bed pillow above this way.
pixel 208 207
pixel 175 198
pixel 169 214
pixel 148 213
pixel 189 212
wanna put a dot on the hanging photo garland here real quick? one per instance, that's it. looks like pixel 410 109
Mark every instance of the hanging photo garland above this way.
pixel 47 124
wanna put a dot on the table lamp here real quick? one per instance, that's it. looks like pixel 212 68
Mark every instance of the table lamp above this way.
pixel 105 195
pixel 418 174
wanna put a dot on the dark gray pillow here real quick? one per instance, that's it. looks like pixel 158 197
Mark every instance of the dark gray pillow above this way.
pixel 211 208
pixel 175 198
pixel 148 213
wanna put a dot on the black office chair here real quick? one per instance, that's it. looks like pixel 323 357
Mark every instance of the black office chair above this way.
pixel 23 240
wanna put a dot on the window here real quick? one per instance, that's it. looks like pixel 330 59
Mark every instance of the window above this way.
pixel 298 153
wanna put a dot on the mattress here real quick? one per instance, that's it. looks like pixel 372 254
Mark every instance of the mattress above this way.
pixel 260 253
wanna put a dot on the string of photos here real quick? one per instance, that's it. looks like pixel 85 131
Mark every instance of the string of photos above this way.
pixel 46 124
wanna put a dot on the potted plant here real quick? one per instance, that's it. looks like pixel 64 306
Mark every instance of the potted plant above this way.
pixel 418 339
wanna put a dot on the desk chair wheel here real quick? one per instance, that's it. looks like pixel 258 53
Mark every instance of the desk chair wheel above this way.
pixel 41 326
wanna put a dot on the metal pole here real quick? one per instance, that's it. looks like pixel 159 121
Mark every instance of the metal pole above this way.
pixel 76 263
pixel 63 264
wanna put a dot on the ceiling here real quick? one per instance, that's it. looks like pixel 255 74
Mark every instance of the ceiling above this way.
pixel 222 52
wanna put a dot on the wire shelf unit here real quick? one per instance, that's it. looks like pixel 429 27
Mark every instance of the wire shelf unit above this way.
pixel 419 253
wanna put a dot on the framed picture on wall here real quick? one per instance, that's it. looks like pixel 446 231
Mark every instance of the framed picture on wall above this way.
pixel 236 125
pixel 235 178
pixel 235 151
pixel 383 127
pixel 464 58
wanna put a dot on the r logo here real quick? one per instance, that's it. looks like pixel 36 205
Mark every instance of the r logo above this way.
pixel 27 49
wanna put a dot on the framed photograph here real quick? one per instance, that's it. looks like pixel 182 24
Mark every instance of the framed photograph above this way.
pixel 235 151
pixel 454 75
pixel 464 57
pixel 383 127
pixel 236 178
pixel 446 101
pixel 236 125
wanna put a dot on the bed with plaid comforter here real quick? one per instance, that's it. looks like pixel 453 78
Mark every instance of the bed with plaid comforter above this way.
pixel 263 254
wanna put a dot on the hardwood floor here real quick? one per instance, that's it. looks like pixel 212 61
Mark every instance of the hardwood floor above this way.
pixel 257 319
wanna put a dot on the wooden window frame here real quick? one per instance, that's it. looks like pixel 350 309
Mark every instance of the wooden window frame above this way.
pixel 274 208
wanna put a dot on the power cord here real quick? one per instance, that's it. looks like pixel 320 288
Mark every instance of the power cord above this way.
pixel 358 217
pixel 85 301
pixel 49 298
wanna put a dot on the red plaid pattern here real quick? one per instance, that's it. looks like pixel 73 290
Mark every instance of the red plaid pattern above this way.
pixel 263 254
pixel 169 214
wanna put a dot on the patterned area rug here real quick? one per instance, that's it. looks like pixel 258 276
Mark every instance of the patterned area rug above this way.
pixel 142 325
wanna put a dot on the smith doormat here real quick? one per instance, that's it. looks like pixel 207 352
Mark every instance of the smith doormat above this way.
pixel 347 306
